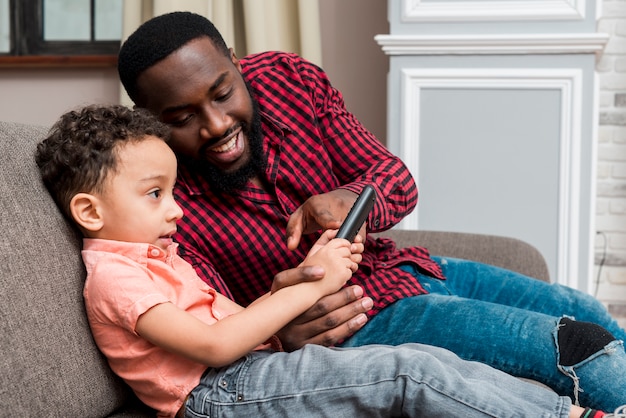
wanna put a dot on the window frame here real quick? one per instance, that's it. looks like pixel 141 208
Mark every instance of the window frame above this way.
pixel 29 48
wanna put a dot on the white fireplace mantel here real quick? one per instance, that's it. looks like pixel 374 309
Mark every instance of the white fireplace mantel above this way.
pixel 493 107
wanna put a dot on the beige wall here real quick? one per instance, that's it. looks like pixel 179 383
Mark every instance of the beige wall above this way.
pixel 353 60
pixel 40 96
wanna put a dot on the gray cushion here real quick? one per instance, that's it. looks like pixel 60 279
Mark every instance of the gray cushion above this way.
pixel 49 363
pixel 506 252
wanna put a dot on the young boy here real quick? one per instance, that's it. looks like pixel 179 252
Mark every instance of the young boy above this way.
pixel 186 350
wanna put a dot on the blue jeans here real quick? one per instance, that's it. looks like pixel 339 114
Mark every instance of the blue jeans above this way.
pixel 409 380
pixel 510 322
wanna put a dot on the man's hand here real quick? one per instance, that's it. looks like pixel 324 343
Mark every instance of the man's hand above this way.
pixel 332 319
pixel 322 211
pixel 297 275
pixel 339 315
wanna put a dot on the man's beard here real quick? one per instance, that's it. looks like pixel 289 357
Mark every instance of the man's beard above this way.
pixel 229 182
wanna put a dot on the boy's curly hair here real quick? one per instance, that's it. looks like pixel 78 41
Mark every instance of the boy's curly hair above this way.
pixel 81 148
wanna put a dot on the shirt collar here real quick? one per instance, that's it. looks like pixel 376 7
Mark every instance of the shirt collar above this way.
pixel 133 250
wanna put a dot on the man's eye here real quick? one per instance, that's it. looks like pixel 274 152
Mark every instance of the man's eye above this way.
pixel 224 96
pixel 155 194
pixel 179 121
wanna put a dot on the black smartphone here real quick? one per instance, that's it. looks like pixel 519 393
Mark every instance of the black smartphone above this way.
pixel 358 214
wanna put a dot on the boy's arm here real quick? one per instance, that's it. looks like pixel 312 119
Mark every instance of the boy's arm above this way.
pixel 175 330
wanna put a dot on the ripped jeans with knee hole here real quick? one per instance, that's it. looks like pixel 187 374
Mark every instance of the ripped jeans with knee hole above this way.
pixel 513 323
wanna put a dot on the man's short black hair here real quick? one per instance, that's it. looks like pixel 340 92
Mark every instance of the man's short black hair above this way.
pixel 158 38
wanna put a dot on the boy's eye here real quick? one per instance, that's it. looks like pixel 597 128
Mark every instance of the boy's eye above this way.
pixel 155 194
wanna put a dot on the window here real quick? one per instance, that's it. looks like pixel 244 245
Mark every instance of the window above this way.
pixel 60 27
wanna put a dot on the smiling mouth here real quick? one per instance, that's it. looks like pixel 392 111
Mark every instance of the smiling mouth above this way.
pixel 230 144
pixel 225 147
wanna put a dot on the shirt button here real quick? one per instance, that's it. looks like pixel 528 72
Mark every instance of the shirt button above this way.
pixel 154 252
pixel 224 383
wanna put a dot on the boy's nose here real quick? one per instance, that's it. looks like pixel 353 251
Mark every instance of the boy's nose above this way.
pixel 176 211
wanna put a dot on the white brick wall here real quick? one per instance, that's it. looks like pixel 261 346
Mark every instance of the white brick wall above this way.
pixel 611 184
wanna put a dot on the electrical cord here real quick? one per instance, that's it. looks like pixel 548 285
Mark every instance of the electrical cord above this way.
pixel 602 260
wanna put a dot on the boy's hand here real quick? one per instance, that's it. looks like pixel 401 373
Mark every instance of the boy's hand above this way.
pixel 337 259
pixel 308 272
pixel 356 247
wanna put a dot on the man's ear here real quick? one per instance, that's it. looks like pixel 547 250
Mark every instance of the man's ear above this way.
pixel 85 210
pixel 234 59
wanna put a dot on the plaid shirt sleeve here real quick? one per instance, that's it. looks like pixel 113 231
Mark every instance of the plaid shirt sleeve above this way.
pixel 357 156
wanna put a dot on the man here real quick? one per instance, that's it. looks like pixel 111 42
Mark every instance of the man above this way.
pixel 268 152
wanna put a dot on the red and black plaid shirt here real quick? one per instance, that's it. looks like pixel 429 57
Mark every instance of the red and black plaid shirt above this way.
pixel 237 243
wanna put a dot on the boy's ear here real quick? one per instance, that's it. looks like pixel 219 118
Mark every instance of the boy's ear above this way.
pixel 85 211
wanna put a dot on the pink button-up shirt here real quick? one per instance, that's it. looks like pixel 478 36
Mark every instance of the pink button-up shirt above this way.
pixel 124 280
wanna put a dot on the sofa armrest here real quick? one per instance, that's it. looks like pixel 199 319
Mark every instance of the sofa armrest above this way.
pixel 506 252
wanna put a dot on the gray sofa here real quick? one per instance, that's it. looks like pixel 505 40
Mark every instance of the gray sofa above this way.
pixel 49 365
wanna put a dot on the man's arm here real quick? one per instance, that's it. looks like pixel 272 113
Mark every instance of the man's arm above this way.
pixel 358 158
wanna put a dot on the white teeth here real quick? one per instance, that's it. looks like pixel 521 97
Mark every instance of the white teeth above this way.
pixel 227 146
